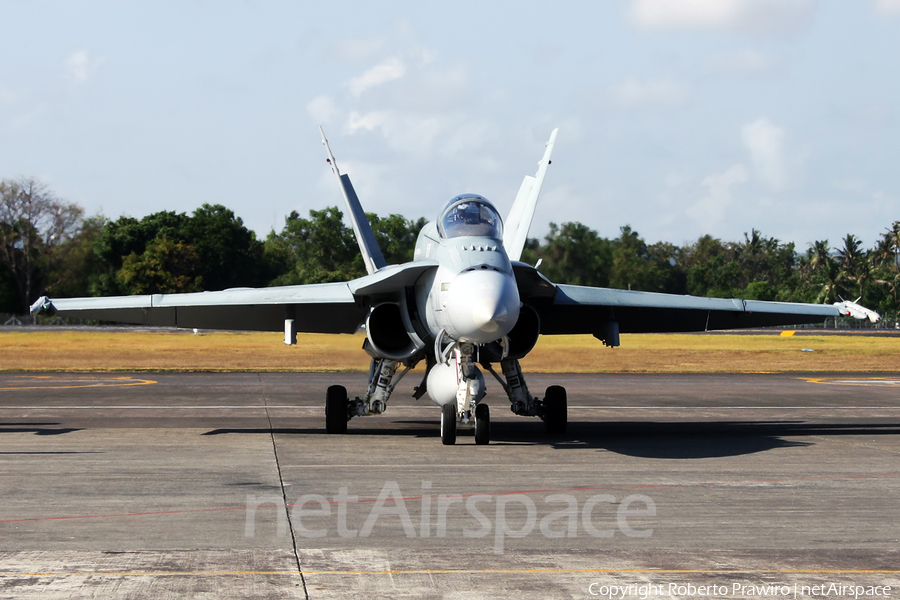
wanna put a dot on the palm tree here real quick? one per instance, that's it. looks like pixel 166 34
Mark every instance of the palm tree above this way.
pixel 886 260
pixel 854 263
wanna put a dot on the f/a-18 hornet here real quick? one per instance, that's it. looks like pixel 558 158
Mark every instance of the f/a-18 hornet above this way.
pixel 464 302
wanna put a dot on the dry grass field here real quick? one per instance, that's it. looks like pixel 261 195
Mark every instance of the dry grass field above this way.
pixel 46 349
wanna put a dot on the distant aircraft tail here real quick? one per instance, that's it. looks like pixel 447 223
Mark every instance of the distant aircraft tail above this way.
pixel 518 222
pixel 368 246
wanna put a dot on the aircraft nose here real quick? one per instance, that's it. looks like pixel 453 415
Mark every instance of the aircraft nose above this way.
pixel 483 305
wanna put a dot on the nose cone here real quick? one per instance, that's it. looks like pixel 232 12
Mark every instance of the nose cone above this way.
pixel 482 305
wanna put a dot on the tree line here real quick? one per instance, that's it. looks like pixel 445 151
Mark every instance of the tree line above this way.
pixel 49 247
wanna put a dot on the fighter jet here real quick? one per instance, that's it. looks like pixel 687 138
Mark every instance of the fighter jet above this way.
pixel 465 303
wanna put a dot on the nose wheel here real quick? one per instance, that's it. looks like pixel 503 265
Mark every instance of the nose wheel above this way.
pixel 482 424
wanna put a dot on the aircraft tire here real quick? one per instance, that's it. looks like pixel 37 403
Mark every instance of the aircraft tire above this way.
pixel 336 404
pixel 482 424
pixel 448 424
pixel 555 410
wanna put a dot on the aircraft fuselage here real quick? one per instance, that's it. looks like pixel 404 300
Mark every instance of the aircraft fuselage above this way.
pixel 472 295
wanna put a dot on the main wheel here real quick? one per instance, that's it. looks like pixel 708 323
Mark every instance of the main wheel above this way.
pixel 448 424
pixel 482 424
pixel 336 405
pixel 555 403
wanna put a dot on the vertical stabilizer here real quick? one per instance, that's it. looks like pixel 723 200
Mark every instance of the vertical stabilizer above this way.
pixel 368 246
pixel 518 222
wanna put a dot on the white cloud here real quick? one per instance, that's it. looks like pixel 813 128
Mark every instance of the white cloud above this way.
pixel 765 142
pixel 417 133
pixel 77 65
pixel 322 109
pixel 359 49
pixel 423 134
pixel 388 70
pixel 7 97
pixel 649 93
pixel 748 16
pixel 710 210
pixel 80 65
pixel 886 8
pixel 370 121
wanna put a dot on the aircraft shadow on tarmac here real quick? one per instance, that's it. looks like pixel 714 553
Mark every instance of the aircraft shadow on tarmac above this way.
pixel 644 439
pixel 36 428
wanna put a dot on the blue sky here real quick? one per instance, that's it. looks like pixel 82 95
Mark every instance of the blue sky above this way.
pixel 678 118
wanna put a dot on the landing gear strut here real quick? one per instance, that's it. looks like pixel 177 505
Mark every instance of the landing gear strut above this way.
pixel 465 411
pixel 383 378
pixel 552 409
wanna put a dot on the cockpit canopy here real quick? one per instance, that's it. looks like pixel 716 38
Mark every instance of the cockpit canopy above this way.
pixel 470 215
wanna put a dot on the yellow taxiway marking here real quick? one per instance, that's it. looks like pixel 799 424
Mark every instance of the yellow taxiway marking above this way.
pixel 459 572
pixel 860 381
pixel 56 383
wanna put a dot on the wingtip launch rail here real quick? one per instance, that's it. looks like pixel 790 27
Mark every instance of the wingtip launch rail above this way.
pixel 852 309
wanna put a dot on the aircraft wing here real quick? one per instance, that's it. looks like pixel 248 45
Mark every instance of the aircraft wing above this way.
pixel 317 308
pixel 604 312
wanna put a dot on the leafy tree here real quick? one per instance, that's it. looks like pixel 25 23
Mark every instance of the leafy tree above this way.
pixel 72 274
pixel 37 231
pixel 886 271
pixel 229 253
pixel 396 236
pixel 671 277
pixel 128 236
pixel 637 266
pixel 758 268
pixel 165 267
pixel 573 253
pixel 766 261
pixel 710 267
pixel 854 263
pixel 9 300
pixel 213 242
pixel 322 249
pixel 820 276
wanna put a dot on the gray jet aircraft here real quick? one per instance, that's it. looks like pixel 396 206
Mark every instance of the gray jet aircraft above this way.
pixel 464 302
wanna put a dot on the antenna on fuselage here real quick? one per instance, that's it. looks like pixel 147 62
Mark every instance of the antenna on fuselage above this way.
pixel 368 246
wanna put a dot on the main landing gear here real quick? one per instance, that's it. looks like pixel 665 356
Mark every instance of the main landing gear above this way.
pixel 553 409
pixel 465 411
pixel 337 406
pixel 383 378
